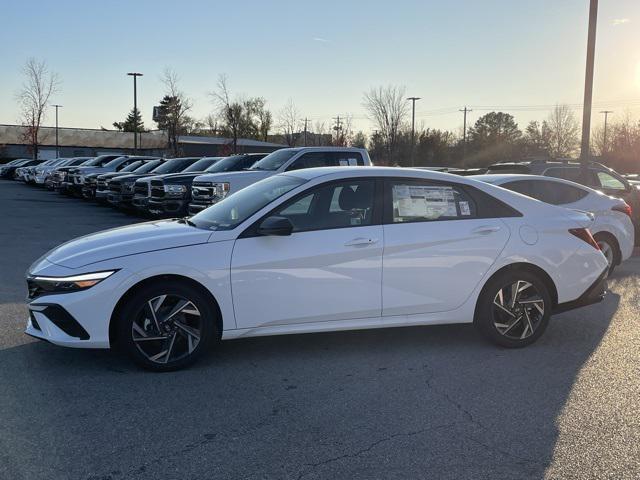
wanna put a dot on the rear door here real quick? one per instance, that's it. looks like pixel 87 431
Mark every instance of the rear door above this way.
pixel 439 244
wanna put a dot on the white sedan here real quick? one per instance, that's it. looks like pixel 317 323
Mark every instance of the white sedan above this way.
pixel 317 250
pixel 612 227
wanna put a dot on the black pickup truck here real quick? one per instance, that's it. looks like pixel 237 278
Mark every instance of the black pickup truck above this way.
pixel 171 194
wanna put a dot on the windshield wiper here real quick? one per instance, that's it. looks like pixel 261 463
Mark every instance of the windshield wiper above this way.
pixel 186 221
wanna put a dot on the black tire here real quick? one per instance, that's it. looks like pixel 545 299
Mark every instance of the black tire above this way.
pixel 489 315
pixel 607 241
pixel 138 309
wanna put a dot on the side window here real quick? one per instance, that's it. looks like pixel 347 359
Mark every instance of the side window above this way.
pixel 347 159
pixel 423 202
pixel 557 193
pixel 606 180
pixel 521 186
pixel 336 205
pixel 312 160
pixel 122 165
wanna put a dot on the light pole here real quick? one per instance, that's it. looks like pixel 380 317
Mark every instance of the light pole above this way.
pixel 57 144
pixel 413 126
pixel 465 110
pixel 604 140
pixel 135 76
pixel 588 88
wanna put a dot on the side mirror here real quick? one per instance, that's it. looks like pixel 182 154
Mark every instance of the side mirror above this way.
pixel 275 225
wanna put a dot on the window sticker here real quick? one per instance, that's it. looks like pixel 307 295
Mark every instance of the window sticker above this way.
pixel 464 208
pixel 344 163
pixel 352 162
pixel 424 201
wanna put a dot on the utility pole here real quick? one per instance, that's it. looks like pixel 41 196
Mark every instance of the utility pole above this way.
pixel 588 89
pixel 57 144
pixel 337 128
pixel 135 76
pixel 305 130
pixel 413 127
pixel 604 140
pixel 465 110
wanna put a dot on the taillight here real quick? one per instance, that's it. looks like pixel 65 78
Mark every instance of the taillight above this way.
pixel 625 208
pixel 585 235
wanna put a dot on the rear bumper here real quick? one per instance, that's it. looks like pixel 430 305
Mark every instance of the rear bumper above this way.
pixel 594 294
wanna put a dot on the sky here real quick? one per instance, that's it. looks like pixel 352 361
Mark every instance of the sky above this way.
pixel 511 55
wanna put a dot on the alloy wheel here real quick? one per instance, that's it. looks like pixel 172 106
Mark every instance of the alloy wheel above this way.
pixel 167 328
pixel 518 310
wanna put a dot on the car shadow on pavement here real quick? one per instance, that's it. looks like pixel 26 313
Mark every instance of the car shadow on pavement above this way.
pixel 427 402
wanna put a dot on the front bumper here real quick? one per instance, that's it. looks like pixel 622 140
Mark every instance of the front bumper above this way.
pixel 594 294
pixel 141 203
pixel 168 206
pixel 197 207
pixel 89 191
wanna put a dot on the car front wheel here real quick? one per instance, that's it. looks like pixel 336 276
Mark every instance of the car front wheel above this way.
pixel 166 326
pixel 513 309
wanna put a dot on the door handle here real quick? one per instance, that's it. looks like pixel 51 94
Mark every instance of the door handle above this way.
pixel 361 241
pixel 485 229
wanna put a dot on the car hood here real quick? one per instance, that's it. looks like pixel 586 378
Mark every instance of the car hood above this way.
pixel 88 170
pixel 177 177
pixel 243 178
pixel 126 241
pixel 132 177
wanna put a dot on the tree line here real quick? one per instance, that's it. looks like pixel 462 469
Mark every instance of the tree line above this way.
pixel 494 136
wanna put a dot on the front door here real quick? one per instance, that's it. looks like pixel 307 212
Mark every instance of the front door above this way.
pixel 328 269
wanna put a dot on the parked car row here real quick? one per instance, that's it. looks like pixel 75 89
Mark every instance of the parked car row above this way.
pixel 276 244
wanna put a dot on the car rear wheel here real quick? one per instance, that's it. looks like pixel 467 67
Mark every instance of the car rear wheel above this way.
pixel 609 249
pixel 513 309
pixel 167 326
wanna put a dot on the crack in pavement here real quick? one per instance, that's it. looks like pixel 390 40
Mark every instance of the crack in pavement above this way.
pixel 368 448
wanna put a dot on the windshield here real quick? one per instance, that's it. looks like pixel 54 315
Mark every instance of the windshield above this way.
pixel 172 166
pixel 236 208
pixel 132 166
pixel 226 164
pixel 274 160
pixel 148 166
pixel 92 162
pixel 201 165
pixel 113 163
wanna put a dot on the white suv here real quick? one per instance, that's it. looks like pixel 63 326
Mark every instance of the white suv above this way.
pixel 209 189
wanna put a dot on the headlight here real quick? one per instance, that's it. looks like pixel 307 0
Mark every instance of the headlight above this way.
pixel 128 187
pixel 221 189
pixel 40 285
pixel 177 190
pixel 81 179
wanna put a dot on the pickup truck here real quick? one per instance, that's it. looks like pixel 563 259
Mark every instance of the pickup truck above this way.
pixel 142 186
pixel 90 180
pixel 72 178
pixel 171 194
pixel 211 188
pixel 135 168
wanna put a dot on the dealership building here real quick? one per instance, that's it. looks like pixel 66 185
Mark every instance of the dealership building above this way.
pixel 86 142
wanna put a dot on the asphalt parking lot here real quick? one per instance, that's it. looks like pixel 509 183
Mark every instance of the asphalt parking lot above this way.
pixel 433 402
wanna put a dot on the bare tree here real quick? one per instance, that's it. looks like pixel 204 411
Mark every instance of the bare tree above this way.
pixel 344 132
pixel 563 132
pixel 387 108
pixel 33 99
pixel 289 123
pixel 231 112
pixel 174 106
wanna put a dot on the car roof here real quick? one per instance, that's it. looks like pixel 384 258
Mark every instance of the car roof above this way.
pixel 367 171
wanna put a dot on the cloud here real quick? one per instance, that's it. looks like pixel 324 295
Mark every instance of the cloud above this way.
pixel 321 40
pixel 620 21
